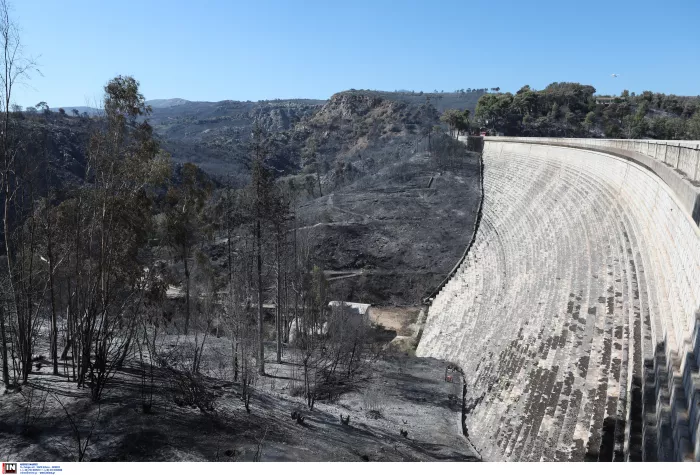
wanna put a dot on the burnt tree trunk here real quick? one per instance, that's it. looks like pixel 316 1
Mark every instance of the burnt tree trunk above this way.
pixel 3 348
pixel 261 346
pixel 279 302
pixel 187 291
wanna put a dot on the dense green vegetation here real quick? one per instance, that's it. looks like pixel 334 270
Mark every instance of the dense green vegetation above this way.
pixel 573 110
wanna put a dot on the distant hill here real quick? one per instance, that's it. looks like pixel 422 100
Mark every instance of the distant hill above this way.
pixel 441 100
pixel 80 109
pixel 159 103
pixel 214 135
pixel 357 124
pixel 60 142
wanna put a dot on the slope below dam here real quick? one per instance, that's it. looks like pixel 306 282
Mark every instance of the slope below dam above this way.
pixel 575 314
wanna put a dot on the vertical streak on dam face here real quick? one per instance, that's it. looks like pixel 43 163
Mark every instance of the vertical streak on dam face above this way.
pixel 575 314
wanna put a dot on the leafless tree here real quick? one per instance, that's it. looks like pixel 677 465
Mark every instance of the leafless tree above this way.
pixel 336 353
pixel 16 68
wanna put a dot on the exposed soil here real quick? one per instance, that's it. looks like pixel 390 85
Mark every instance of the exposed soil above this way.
pixel 401 320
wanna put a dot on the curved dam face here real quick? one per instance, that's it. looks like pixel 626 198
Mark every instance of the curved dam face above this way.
pixel 574 316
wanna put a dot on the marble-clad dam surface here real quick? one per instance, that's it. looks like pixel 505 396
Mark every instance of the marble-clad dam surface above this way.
pixel 575 314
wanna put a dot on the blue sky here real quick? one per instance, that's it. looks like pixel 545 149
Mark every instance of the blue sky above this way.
pixel 250 50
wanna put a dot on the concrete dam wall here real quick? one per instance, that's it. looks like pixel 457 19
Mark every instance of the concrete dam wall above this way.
pixel 575 314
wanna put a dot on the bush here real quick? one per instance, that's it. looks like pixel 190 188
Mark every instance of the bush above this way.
pixel 296 391
pixel 190 391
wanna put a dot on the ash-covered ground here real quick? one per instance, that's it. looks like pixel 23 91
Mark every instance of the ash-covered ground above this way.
pixel 392 236
pixel 403 394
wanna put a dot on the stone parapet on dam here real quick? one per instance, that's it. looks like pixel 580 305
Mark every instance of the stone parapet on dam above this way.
pixel 575 314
